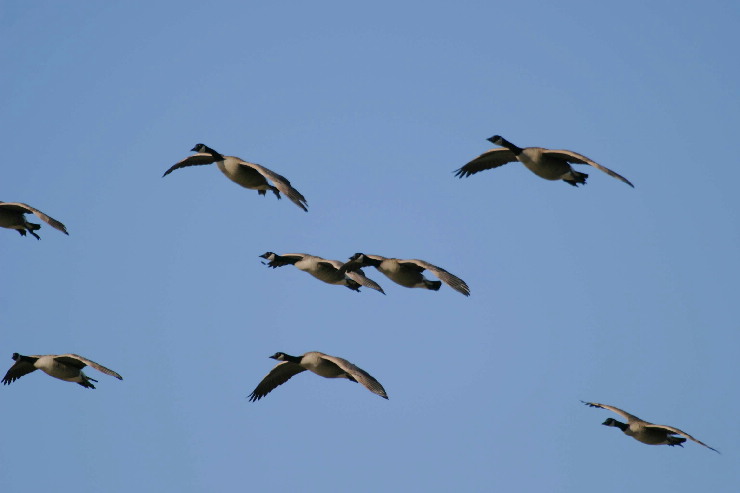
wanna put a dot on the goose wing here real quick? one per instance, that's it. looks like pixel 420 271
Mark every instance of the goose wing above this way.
pixel 629 417
pixel 450 279
pixel 676 431
pixel 488 160
pixel 356 274
pixel 277 376
pixel 16 371
pixel 281 183
pixel 574 157
pixel 27 209
pixel 360 277
pixel 351 265
pixel 358 374
pixel 198 159
pixel 78 361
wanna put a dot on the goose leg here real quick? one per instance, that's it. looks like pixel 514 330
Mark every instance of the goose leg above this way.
pixel 353 285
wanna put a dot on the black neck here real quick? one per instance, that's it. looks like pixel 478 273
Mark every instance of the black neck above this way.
pixel 285 260
pixel 215 154
pixel 374 262
pixel 27 359
pixel 620 425
pixel 292 359
pixel 516 150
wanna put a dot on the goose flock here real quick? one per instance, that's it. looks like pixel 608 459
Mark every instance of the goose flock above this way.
pixel 409 273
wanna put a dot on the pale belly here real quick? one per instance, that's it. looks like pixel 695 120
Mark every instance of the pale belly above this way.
pixel 329 275
pixel 404 277
pixel 54 369
pixel 656 438
pixel 321 368
pixel 549 169
pixel 243 175
pixel 10 220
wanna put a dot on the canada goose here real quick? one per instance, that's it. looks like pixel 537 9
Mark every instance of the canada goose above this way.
pixel 407 273
pixel 645 432
pixel 322 269
pixel 321 364
pixel 248 175
pixel 545 163
pixel 12 217
pixel 67 367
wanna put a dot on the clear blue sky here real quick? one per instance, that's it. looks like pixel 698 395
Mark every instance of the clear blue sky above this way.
pixel 606 293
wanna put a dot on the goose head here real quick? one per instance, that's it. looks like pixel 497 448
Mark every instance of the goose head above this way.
pixel 279 356
pixel 268 256
pixel 207 150
pixel 497 139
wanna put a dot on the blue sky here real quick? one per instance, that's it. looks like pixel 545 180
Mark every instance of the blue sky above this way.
pixel 604 293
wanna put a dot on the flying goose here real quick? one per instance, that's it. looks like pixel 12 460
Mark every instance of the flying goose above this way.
pixel 645 432
pixel 12 217
pixel 407 273
pixel 322 269
pixel 545 163
pixel 67 367
pixel 248 175
pixel 321 364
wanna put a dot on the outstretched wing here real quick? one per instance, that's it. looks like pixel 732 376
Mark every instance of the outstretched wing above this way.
pixel 281 183
pixel 356 274
pixel 198 159
pixel 574 157
pixel 16 371
pixel 360 375
pixel 629 417
pixel 676 431
pixel 450 279
pixel 359 277
pixel 488 160
pixel 25 208
pixel 79 362
pixel 282 372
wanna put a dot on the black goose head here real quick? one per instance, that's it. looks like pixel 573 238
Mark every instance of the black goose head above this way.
pixel 207 150
pixel 613 422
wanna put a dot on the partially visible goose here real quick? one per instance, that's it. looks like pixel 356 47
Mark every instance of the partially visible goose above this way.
pixel 12 217
pixel 545 163
pixel 407 273
pixel 67 367
pixel 321 364
pixel 248 175
pixel 322 269
pixel 645 432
